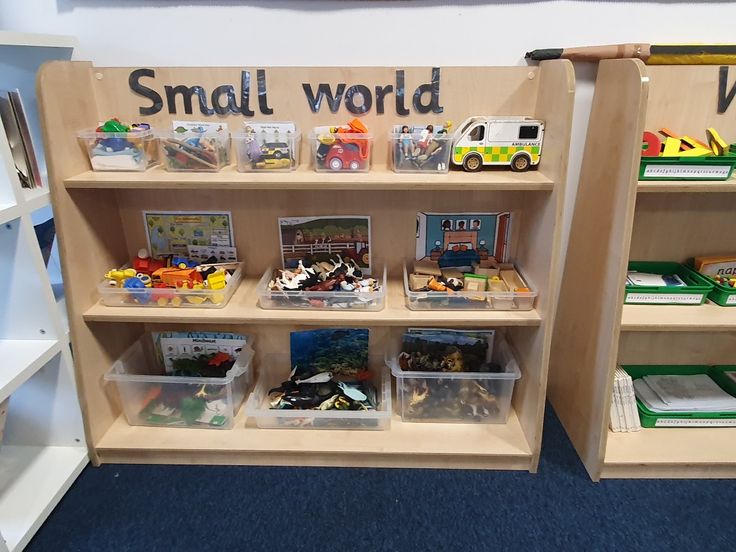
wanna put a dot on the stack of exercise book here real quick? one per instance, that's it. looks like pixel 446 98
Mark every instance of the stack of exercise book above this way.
pixel 624 414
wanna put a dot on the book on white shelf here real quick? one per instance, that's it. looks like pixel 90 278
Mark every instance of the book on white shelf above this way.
pixel 15 122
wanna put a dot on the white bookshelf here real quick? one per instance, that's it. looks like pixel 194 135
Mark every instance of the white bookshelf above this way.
pixel 43 448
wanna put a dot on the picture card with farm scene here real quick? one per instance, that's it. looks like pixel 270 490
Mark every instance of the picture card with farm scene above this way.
pixel 323 238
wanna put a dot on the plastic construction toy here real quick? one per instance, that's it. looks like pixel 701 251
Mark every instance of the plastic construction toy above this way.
pixel 196 150
pixel 343 148
pixel 114 146
pixel 675 157
pixel 337 274
pixel 421 148
pixel 171 281
pixel 514 142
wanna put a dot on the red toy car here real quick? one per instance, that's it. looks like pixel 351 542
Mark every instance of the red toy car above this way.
pixel 344 156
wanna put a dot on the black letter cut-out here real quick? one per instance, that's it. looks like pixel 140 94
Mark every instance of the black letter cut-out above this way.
pixel 323 90
pixel 358 89
pixel 381 92
pixel 400 107
pixel 187 93
pixel 434 90
pixel 724 99
pixel 231 107
pixel 245 94
pixel 157 102
pixel 262 98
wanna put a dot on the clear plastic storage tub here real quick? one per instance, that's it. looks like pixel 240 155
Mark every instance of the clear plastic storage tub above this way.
pixel 267 151
pixel 140 380
pixel 275 299
pixel 465 397
pixel 412 152
pixel 259 408
pixel 195 152
pixel 341 152
pixel 120 151
pixel 471 300
pixel 169 297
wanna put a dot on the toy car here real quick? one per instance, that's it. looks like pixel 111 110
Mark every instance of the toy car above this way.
pixel 510 141
pixel 275 150
pixel 342 156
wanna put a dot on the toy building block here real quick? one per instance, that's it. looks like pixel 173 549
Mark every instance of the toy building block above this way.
pixel 418 281
pixel 513 280
pixel 671 147
pixel 694 142
pixel 427 267
pixel 652 145
pixel 216 280
pixel 451 273
pixel 487 272
pixel 696 152
pixel 717 144
pixel 667 133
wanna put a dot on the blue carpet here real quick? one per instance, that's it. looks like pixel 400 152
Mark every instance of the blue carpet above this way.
pixel 201 508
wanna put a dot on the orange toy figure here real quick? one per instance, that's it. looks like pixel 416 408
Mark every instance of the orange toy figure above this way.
pixel 356 126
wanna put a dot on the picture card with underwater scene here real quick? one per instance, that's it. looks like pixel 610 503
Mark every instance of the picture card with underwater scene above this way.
pixel 342 351
pixel 461 240
pixel 321 238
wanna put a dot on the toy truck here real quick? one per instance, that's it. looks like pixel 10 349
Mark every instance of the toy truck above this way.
pixel 512 141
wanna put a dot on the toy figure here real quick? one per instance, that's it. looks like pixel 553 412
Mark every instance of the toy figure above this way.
pixel 425 139
pixel 406 142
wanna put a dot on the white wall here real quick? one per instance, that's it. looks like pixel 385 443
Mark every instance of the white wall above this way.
pixel 421 32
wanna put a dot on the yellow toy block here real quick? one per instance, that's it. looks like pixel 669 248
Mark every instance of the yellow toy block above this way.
pixel 717 143
pixel 671 147
pixel 696 152
pixel 694 142
pixel 216 280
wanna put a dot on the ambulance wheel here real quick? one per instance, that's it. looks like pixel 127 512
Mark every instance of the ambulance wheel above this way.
pixel 472 162
pixel 521 163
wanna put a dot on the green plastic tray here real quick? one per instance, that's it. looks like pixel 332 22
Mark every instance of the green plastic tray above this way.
pixel 687 168
pixel 680 419
pixel 721 295
pixel 694 293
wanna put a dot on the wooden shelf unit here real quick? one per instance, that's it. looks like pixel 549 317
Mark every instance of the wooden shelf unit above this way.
pixel 615 219
pixel 100 225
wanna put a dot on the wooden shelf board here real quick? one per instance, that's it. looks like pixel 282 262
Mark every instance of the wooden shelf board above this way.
pixel 21 359
pixel 243 308
pixel 483 446
pixel 678 318
pixel 700 186
pixel 672 452
pixel 32 481
pixel 379 178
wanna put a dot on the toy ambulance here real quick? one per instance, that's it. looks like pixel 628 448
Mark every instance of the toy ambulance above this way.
pixel 513 141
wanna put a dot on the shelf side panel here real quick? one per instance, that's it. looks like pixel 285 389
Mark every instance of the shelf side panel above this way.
pixel 584 344
pixel 538 245
pixel 88 227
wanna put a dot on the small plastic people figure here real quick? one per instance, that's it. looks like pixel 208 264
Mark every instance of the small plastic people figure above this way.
pixel 425 138
pixel 406 142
